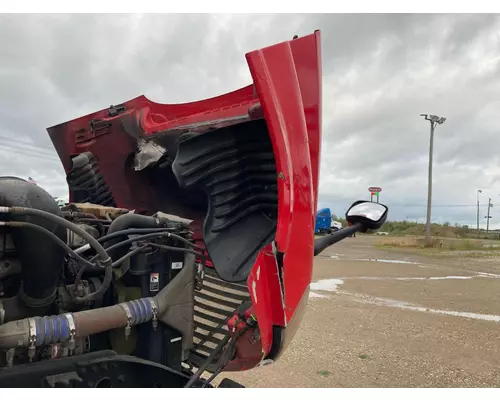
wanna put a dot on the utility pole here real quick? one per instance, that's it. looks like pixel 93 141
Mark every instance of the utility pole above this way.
pixel 478 192
pixel 488 216
pixel 433 119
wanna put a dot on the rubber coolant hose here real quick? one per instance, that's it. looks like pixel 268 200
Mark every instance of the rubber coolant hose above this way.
pixel 103 255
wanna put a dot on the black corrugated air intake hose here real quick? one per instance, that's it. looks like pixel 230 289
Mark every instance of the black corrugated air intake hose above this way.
pixel 124 222
pixel 40 257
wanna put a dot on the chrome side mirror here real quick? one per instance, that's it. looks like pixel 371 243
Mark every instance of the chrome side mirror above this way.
pixel 367 213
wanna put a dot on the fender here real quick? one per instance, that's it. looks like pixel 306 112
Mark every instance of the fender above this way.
pixel 128 155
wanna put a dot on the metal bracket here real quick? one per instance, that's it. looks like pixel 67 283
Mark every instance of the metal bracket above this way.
pixel 32 339
pixel 2 312
pixel 155 313
pixel 72 331
pixel 128 327
pixel 200 274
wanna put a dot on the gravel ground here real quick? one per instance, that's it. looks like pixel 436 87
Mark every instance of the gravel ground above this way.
pixel 383 319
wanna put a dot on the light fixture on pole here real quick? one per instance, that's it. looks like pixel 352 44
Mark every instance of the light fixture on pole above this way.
pixel 433 119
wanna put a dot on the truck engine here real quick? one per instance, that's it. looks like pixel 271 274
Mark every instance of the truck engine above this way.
pixel 186 246
pixel 89 279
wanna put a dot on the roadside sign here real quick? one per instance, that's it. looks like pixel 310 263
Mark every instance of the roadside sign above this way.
pixel 374 191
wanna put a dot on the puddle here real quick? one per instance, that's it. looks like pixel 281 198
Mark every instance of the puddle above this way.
pixel 484 317
pixel 407 306
pixel 409 278
pixel 324 285
pixel 386 261
pixel 314 295
pixel 332 257
pixel 434 278
pixel 438 278
pixel 487 275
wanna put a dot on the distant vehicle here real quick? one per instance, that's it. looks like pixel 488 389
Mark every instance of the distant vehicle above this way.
pixel 335 225
pixel 325 222
pixel 60 202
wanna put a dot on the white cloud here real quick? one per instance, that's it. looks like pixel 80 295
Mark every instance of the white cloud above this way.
pixel 380 73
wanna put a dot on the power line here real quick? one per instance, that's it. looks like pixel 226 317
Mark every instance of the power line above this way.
pixel 25 146
pixel 25 143
pixel 30 152
pixel 27 153
pixel 436 205
pixel 396 205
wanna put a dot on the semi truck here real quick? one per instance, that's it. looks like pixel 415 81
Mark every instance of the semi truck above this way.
pixel 181 252
pixel 325 222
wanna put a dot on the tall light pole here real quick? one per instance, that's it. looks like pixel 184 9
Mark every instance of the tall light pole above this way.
pixel 488 216
pixel 478 192
pixel 433 119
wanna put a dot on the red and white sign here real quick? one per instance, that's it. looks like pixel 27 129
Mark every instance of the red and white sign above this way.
pixel 374 189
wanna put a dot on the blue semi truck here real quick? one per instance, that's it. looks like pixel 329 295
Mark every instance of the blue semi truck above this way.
pixel 325 222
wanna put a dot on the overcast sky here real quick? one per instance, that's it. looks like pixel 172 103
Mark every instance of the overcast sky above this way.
pixel 379 73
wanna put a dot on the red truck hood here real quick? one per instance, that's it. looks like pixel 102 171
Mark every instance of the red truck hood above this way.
pixel 244 166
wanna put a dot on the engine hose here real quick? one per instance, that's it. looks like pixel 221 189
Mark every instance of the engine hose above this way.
pixel 109 268
pixel 136 239
pixel 101 252
pixel 172 248
pixel 185 241
pixel 64 328
pixel 167 234
pixel 134 252
pixel 115 263
pixel 208 360
pixel 103 255
pixel 108 275
pixel 228 354
pixel 124 222
pixel 78 214
pixel 131 231
pixel 124 232
pixel 41 229
pixel 93 221
pixel 128 255
pixel 136 231
pixel 141 222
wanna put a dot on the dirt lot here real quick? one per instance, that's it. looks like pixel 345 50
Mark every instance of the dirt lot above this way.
pixel 381 318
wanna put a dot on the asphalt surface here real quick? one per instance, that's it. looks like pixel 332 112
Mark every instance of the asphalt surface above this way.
pixel 385 319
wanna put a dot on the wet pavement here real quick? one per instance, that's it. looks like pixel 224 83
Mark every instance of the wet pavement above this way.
pixel 380 318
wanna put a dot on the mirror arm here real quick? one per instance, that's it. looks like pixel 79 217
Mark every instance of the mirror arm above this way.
pixel 326 241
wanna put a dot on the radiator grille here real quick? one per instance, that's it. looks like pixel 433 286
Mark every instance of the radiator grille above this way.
pixel 214 304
